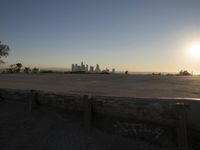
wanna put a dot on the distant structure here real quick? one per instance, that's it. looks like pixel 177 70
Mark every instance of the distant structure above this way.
pixel 113 70
pixel 97 69
pixel 82 67
pixel 90 69
pixel 106 71
pixel 73 68
pixel 86 69
pixel 76 68
pixel 79 68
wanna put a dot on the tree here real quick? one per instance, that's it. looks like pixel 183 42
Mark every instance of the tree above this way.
pixel 27 70
pixel 15 68
pixel 18 67
pixel 184 73
pixel 35 70
pixel 4 49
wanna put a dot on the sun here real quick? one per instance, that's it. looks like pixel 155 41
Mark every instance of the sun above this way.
pixel 194 50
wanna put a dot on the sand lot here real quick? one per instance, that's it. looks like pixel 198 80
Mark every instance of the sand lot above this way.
pixel 47 129
pixel 114 85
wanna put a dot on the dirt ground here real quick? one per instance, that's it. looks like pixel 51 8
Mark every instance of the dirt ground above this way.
pixel 113 85
pixel 44 129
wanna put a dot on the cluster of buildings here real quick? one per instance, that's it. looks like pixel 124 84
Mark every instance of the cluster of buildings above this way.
pixel 85 68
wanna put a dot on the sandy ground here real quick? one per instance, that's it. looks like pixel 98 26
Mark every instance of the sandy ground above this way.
pixel 115 85
pixel 44 129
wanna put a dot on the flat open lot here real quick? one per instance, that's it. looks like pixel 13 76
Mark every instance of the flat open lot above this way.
pixel 47 129
pixel 115 85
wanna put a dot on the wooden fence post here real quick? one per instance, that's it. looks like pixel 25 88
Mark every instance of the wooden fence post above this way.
pixel 181 126
pixel 32 98
pixel 87 113
pixel 1 97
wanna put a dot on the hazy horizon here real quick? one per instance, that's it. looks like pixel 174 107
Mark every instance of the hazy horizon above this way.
pixel 64 69
pixel 134 35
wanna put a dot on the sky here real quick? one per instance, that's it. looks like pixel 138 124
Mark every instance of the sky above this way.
pixel 134 35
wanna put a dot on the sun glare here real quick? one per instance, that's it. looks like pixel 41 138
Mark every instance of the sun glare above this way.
pixel 194 50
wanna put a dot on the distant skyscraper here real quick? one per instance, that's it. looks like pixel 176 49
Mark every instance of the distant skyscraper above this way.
pixel 73 68
pixel 76 68
pixel 91 69
pixel 113 70
pixel 79 68
pixel 97 69
pixel 82 67
pixel 86 68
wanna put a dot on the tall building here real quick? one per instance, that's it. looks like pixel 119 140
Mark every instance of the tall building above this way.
pixel 113 70
pixel 82 67
pixel 91 69
pixel 97 69
pixel 79 68
pixel 73 68
pixel 86 68
pixel 76 68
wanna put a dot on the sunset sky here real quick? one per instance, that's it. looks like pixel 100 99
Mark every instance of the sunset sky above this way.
pixel 134 35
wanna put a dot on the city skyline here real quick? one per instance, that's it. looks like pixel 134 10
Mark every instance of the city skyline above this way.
pixel 134 35
pixel 89 68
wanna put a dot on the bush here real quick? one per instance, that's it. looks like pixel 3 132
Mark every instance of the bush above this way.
pixel 184 73
pixel 27 70
pixel 35 70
